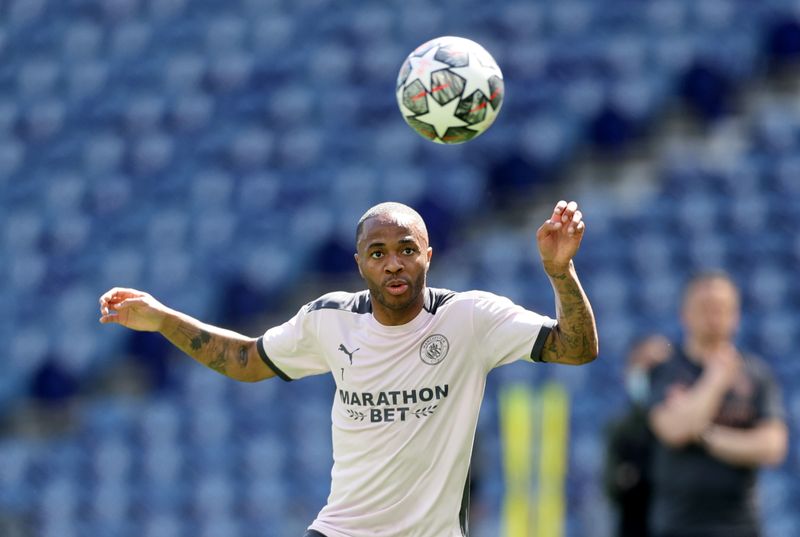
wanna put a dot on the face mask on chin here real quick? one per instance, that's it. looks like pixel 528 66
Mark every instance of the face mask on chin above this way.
pixel 637 385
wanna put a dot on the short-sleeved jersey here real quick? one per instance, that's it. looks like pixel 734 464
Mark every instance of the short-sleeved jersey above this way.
pixel 406 404
pixel 696 494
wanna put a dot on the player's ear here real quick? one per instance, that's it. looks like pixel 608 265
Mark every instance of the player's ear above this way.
pixel 355 256
pixel 429 253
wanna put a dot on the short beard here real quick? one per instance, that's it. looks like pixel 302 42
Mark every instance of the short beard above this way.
pixel 377 292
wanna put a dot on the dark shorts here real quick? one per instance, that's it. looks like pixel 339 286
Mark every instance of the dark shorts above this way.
pixel 312 533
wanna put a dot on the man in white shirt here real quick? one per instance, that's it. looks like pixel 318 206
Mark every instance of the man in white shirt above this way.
pixel 410 365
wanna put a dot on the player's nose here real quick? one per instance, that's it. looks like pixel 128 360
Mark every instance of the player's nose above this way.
pixel 393 264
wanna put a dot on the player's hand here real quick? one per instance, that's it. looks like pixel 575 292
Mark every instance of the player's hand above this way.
pixel 133 309
pixel 723 366
pixel 560 236
pixel 654 350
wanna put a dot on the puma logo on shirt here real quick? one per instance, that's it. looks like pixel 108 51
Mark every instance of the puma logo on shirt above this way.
pixel 348 353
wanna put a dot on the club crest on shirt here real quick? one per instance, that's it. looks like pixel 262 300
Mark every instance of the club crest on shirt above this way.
pixel 434 349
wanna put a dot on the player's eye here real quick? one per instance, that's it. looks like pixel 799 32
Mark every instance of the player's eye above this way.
pixel 376 255
pixel 409 251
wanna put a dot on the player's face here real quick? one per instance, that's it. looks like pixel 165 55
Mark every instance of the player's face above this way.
pixel 393 257
pixel 711 310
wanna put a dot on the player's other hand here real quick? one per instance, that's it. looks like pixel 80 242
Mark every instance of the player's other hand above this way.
pixel 133 309
pixel 560 236
pixel 723 365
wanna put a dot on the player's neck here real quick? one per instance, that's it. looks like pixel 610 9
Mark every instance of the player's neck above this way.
pixel 396 317
pixel 697 349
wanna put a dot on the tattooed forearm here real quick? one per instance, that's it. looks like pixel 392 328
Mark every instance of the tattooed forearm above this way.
pixel 574 341
pixel 244 356
pixel 219 363
pixel 198 341
pixel 226 352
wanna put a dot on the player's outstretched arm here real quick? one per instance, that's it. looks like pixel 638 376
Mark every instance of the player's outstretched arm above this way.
pixel 224 351
pixel 574 340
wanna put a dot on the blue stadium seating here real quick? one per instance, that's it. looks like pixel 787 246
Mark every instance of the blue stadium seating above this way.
pixel 193 147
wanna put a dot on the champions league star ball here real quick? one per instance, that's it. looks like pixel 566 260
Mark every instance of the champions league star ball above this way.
pixel 450 90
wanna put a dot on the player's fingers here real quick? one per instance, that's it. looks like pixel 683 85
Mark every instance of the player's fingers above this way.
pixel 105 319
pixel 550 225
pixel 105 297
pixel 118 294
pixel 576 221
pixel 107 306
pixel 127 303
pixel 123 293
pixel 569 210
pixel 111 293
pixel 558 209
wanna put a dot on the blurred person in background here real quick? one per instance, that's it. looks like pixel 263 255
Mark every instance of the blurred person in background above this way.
pixel 718 417
pixel 410 365
pixel 630 442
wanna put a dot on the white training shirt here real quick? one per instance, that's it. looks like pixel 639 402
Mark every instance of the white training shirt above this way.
pixel 406 404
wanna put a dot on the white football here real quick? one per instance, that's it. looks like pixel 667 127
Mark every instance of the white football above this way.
pixel 450 90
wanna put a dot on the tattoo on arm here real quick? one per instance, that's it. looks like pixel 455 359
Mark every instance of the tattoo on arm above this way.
pixel 550 349
pixel 243 356
pixel 574 340
pixel 219 363
pixel 199 340
pixel 215 350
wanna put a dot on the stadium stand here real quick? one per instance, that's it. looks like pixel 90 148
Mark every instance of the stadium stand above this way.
pixel 218 155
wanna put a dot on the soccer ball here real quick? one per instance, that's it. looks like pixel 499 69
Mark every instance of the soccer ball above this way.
pixel 450 90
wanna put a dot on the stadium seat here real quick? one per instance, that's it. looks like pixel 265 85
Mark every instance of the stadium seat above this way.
pixel 230 71
pixel 786 170
pixel 37 78
pixel 191 112
pixel 144 114
pixel 68 233
pixel 58 527
pixel 12 156
pixel 160 426
pixel 87 79
pixel 301 148
pixel 271 32
pixel 43 119
pixel 167 10
pixel 668 16
pixel 59 500
pixel 130 38
pixel 103 155
pixel 251 149
pixel 18 457
pixel 120 10
pixel 777 334
pixel 22 13
pixel 213 497
pixel 583 97
pixel 184 72
pixel 547 139
pixel 716 14
pixel 9 115
pixel 164 525
pixel 226 34
pixel 570 18
pixel 151 153
pixel 82 40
